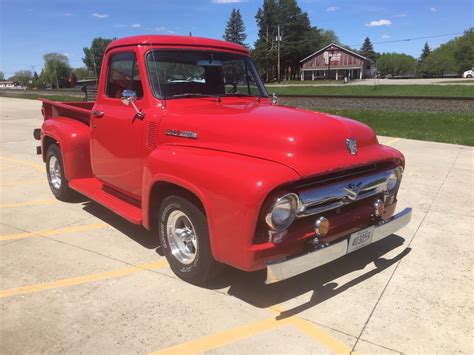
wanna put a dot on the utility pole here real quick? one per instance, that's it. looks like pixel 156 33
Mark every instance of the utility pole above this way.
pixel 95 67
pixel 278 45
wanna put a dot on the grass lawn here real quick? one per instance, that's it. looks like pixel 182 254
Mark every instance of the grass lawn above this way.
pixel 381 90
pixel 49 97
pixel 453 128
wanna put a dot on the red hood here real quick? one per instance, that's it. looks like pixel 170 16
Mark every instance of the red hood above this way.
pixel 308 142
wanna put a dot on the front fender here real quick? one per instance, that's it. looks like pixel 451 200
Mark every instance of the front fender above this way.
pixel 231 188
pixel 73 138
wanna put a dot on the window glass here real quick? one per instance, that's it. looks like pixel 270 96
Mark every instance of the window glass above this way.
pixel 123 75
pixel 181 73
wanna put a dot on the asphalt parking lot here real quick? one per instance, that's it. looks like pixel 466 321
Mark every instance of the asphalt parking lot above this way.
pixel 75 278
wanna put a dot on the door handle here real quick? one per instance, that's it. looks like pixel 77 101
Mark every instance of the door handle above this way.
pixel 98 114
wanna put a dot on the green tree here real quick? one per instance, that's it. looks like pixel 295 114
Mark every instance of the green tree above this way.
pixel 56 70
pixel 395 64
pixel 367 49
pixel 83 73
pixel 464 52
pixel 295 32
pixel 327 37
pixel 23 77
pixel 235 29
pixel 2 76
pixel 422 69
pixel 94 54
pixel 441 60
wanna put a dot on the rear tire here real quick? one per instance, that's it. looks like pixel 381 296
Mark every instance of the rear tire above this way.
pixel 55 174
pixel 184 237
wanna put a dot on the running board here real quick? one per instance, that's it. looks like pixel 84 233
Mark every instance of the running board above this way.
pixel 95 190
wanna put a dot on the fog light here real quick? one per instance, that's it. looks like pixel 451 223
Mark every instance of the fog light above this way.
pixel 321 227
pixel 379 208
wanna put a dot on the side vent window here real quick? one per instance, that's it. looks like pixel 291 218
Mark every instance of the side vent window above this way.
pixel 123 75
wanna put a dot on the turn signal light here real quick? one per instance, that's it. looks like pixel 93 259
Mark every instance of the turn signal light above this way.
pixel 379 208
pixel 321 227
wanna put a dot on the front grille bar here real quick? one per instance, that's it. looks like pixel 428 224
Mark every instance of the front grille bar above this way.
pixel 321 199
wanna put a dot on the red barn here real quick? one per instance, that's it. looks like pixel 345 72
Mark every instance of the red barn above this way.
pixel 336 62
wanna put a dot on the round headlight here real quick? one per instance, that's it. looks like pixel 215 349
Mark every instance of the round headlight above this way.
pixel 283 212
pixel 394 180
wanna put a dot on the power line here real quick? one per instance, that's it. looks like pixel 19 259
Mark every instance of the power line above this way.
pixel 411 39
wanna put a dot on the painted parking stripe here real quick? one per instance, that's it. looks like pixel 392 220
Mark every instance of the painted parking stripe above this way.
pixel 36 166
pixel 49 201
pixel 82 279
pixel 22 182
pixel 220 339
pixel 390 142
pixel 58 231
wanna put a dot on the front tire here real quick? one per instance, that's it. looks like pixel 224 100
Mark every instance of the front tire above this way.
pixel 55 174
pixel 184 236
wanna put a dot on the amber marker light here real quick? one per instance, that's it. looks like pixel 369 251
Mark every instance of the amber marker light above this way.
pixel 379 207
pixel 321 227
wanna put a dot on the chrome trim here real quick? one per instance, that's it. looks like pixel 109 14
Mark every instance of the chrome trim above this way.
pixel 295 203
pixel 351 145
pixel 284 269
pixel 325 198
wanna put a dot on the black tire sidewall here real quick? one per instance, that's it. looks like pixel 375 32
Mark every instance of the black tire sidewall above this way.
pixel 200 269
pixel 63 191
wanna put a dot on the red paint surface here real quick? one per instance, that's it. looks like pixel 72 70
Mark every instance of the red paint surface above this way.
pixel 246 151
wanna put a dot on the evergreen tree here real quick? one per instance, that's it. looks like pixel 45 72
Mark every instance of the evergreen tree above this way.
pixel 367 49
pixel 421 67
pixel 298 38
pixel 235 30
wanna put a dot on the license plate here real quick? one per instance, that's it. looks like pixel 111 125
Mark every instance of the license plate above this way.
pixel 360 239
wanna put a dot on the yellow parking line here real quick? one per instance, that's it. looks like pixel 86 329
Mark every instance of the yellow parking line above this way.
pixel 390 142
pixel 320 336
pixel 81 279
pixel 38 167
pixel 49 232
pixel 223 338
pixel 315 332
pixel 48 201
pixel 22 182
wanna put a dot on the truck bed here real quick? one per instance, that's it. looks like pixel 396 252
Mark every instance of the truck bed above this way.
pixel 76 110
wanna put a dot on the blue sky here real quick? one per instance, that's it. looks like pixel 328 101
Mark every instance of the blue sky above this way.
pixel 30 28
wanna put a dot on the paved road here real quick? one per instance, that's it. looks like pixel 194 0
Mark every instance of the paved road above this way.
pixel 75 278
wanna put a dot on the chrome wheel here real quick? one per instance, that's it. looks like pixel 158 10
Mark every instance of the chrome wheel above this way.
pixel 55 175
pixel 181 237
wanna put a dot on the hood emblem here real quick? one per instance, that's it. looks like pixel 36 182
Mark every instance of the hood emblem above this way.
pixel 351 145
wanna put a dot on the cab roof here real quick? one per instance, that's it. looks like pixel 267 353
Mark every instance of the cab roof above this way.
pixel 162 40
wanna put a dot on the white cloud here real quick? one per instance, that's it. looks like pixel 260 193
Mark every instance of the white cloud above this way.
pixel 136 25
pixel 379 23
pixel 433 9
pixel 227 1
pixel 163 29
pixel 332 8
pixel 401 15
pixel 385 36
pixel 95 14
pixel 67 14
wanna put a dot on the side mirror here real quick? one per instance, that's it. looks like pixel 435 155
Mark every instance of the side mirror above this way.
pixel 128 98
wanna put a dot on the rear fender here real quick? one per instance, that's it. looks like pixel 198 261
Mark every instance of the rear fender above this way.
pixel 73 138
pixel 231 188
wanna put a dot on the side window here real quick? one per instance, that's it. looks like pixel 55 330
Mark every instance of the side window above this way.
pixel 123 75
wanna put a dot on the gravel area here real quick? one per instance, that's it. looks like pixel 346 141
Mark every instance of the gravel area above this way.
pixel 397 105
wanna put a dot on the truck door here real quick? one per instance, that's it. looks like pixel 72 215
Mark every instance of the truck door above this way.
pixel 116 132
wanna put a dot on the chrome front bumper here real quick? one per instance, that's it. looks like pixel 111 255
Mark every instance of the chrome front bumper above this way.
pixel 284 269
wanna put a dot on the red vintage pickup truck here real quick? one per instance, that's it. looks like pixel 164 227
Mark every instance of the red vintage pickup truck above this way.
pixel 184 139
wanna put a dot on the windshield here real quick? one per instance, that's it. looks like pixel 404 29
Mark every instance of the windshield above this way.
pixel 178 74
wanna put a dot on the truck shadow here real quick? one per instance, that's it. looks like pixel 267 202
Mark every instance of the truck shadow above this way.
pixel 250 287
pixel 134 232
